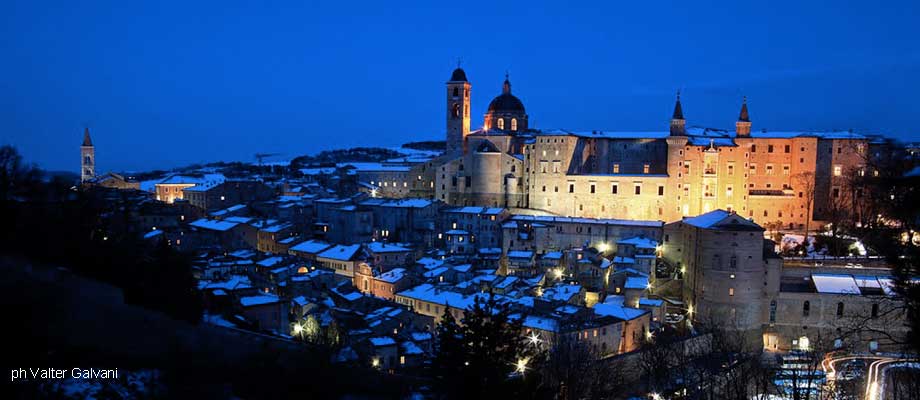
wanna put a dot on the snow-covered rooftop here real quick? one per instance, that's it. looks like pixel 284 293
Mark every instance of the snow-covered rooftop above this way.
pixel 213 225
pixel 341 252
pixel 381 247
pixel 310 247
pixel 392 275
pixel 636 282
pixel 835 283
pixel 382 341
pixel 640 242
pixel 259 300
pixel 600 221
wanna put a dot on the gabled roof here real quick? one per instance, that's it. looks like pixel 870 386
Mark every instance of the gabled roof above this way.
pixel 344 253
pixel 722 220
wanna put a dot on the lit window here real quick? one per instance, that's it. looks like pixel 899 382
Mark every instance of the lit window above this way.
pixel 731 291
pixel 616 168
pixel 645 169
pixel 513 124
pixel 838 170
pixel 501 123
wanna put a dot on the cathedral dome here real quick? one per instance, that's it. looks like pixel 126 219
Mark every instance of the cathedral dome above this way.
pixel 506 102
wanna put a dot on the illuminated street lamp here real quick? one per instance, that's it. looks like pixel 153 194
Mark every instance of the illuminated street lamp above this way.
pixel 534 338
pixel 521 366
pixel 299 329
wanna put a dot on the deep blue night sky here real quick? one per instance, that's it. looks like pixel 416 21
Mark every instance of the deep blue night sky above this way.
pixel 165 83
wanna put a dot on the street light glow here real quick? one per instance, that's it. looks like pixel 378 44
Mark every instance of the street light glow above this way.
pixel 521 366
pixel 534 338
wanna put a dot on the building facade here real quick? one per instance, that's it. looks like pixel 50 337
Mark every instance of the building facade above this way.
pixel 653 175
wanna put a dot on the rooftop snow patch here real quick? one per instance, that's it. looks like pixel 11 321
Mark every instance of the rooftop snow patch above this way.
pixel 835 284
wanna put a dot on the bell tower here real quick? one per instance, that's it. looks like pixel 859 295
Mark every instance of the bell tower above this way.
pixel 458 112
pixel 87 158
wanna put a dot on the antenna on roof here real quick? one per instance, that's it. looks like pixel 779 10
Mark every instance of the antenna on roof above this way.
pixel 459 60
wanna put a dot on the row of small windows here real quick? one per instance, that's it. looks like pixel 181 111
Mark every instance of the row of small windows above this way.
pixel 614 188
pixel 786 148
pixel 768 169
pixel 806 310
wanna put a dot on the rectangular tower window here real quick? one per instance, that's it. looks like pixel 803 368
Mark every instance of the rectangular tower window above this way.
pixel 645 169
pixel 838 170
pixel 638 188
pixel 592 188
pixel 614 188
pixel 571 188
pixel 660 190
pixel 616 168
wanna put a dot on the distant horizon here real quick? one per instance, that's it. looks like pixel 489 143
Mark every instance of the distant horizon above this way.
pixel 169 84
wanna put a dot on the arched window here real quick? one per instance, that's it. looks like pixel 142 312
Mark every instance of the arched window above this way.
pixel 456 92
pixel 806 308
pixel 513 124
pixel 456 111
pixel 501 123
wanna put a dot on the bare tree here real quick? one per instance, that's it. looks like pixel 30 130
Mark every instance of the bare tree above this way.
pixel 574 370
pixel 805 184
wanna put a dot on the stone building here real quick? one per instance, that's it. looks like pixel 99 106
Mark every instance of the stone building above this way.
pixel 227 193
pixel 543 234
pixel 653 175
pixel 730 276
pixel 729 270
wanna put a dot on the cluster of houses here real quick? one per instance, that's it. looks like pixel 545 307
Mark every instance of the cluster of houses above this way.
pixel 319 259
pixel 375 276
